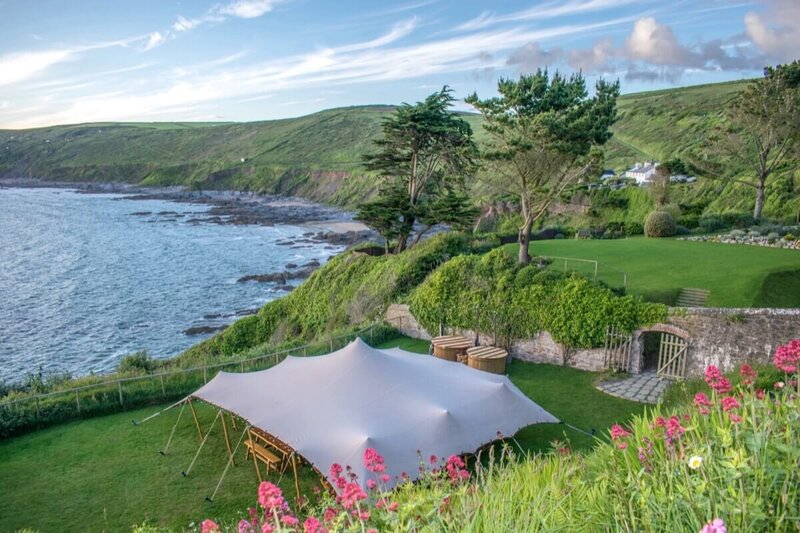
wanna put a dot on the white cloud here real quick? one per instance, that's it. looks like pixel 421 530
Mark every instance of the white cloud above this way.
pixel 184 24
pixel 246 9
pixel 542 11
pixel 777 31
pixel 156 39
pixel 656 43
pixel 21 66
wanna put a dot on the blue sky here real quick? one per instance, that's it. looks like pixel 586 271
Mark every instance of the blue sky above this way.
pixel 71 61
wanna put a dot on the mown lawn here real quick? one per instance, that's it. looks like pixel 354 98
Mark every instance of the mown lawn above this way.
pixel 658 268
pixel 105 474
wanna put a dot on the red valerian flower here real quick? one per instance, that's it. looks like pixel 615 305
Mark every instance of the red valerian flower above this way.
pixel 270 497
pixel 748 374
pixel 618 433
pixel 729 402
pixel 674 428
pixel 787 356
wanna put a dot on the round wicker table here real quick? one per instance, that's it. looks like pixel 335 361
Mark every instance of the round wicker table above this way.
pixel 450 347
pixel 487 358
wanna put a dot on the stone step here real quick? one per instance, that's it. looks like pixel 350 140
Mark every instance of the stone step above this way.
pixel 690 297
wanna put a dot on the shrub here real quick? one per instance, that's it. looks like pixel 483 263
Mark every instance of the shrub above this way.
pixel 660 224
pixel 682 230
pixel 733 219
pixel 137 363
pixel 690 221
pixel 523 301
pixel 634 228
pixel 711 223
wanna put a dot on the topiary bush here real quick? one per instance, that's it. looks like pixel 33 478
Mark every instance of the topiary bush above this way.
pixel 660 224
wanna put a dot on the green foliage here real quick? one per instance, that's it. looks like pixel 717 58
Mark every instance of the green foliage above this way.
pixel 545 134
pixel 660 224
pixel 634 228
pixel 353 288
pixel 491 292
pixel 137 363
pixel 423 158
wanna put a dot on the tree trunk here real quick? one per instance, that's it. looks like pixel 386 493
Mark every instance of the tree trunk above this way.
pixel 524 239
pixel 402 238
pixel 759 201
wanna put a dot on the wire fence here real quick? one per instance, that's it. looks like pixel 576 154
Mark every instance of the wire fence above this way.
pixel 589 268
pixel 29 412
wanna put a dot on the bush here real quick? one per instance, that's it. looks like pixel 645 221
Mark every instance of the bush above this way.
pixel 682 230
pixel 137 363
pixel 690 221
pixel 660 224
pixel 734 219
pixel 634 228
pixel 523 301
pixel 711 223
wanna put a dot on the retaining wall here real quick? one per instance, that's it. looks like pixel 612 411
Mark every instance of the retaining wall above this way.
pixel 716 336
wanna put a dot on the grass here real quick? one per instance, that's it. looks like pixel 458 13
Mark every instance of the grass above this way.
pixel 780 289
pixel 106 474
pixel 735 275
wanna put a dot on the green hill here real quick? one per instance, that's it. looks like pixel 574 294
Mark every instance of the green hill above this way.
pixel 318 156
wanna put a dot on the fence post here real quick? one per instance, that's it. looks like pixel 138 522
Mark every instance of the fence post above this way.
pixel 624 281
pixel 120 393
pixel 163 389
pixel 565 266
pixel 205 375
pixel 595 270
pixel 78 401
pixel 38 414
pixel 331 344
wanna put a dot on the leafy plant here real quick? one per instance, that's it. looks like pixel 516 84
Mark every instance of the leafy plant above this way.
pixel 660 224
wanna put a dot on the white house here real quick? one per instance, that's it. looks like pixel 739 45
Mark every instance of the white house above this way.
pixel 642 172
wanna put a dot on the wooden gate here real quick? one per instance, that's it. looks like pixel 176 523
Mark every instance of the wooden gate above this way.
pixel 617 350
pixel 672 356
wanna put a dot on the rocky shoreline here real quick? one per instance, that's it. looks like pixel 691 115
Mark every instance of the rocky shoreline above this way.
pixel 333 226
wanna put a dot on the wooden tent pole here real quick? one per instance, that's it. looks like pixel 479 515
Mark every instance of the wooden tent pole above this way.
pixel 227 440
pixel 294 469
pixel 253 451
pixel 196 421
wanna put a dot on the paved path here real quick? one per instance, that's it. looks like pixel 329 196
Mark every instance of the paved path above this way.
pixel 646 387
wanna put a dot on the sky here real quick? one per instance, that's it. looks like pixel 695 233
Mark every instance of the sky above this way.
pixel 74 61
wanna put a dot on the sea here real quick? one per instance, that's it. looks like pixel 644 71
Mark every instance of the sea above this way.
pixel 86 279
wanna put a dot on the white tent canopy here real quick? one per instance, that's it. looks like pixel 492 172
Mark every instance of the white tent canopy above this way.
pixel 331 408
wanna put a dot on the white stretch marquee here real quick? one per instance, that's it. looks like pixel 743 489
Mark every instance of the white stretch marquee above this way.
pixel 331 408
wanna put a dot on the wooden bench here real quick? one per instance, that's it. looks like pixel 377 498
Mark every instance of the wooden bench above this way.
pixel 255 446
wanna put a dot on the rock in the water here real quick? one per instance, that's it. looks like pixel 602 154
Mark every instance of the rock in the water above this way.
pixel 201 330
pixel 291 265
pixel 312 263
pixel 277 277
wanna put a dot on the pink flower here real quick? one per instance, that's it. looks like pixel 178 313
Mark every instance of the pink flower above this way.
pixel 729 402
pixel 329 515
pixel 760 394
pixel 371 484
pixel 373 461
pixel 674 428
pixel 660 422
pixel 372 530
pixel 363 515
pixel 270 497
pixel 386 478
pixel 267 528
pixel 433 459
pixel 336 470
pixel 715 526
pixel 734 418
pixel 245 527
pixel 748 374
pixel 209 526
pixel 779 384
pixel 289 520
pixel 352 494
pixel 702 399
pixel 787 356
pixel 393 506
pixel 313 525
pixel 456 469
pixel 717 381
pixel 618 432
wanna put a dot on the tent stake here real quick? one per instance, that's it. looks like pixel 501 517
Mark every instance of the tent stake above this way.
pixel 196 421
pixel 227 440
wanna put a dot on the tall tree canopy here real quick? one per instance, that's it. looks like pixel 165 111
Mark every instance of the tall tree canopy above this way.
pixel 761 135
pixel 423 158
pixel 544 132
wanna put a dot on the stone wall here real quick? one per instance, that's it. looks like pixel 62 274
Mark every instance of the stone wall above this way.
pixel 728 337
pixel 716 336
